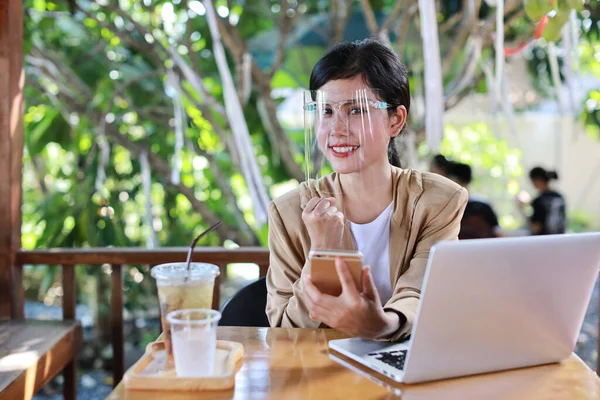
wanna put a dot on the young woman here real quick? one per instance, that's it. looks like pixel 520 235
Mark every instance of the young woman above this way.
pixel 479 220
pixel 393 216
pixel 549 216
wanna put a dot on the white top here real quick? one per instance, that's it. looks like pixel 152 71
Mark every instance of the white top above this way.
pixel 373 240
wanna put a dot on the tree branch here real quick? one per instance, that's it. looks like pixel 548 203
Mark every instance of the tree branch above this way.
pixel 341 14
pixel 285 26
pixel 123 87
pixel 450 102
pixel 467 26
pixel 163 169
pixel 157 51
pixel 221 181
pixel 99 48
pixel 403 27
pixel 243 78
pixel 38 173
pixel 232 42
pixel 488 38
pixel 283 142
pixel 53 98
pixel 453 100
pixel 162 111
pixel 398 6
pixel 490 23
pixel 191 71
pixel 234 45
pixel 195 79
pixel 369 16
pixel 50 59
pixel 451 22
pixel 189 28
pixel 125 38
pixel 226 189
pixel 219 130
pixel 43 73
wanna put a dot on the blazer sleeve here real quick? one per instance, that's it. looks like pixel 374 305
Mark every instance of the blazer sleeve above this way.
pixel 444 225
pixel 285 307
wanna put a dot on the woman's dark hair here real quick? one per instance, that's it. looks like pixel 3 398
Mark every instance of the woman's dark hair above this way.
pixel 542 174
pixel 379 67
pixel 461 172
pixel 441 162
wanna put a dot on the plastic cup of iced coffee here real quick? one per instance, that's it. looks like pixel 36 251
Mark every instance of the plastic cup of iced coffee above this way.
pixel 182 288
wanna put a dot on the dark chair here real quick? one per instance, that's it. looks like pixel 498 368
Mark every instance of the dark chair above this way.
pixel 247 307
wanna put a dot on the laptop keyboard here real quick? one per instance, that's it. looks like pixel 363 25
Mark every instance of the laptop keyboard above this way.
pixel 393 358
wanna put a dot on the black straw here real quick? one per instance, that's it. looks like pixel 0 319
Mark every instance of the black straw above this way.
pixel 200 236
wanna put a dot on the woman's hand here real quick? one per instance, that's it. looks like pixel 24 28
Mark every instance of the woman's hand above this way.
pixel 356 313
pixel 523 199
pixel 324 222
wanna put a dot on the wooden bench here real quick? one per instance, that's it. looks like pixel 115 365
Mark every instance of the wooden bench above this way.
pixel 33 352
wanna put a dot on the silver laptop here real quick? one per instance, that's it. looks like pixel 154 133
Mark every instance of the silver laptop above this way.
pixel 491 305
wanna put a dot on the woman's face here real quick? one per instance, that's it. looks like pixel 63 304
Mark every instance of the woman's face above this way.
pixel 539 184
pixel 354 127
pixel 436 169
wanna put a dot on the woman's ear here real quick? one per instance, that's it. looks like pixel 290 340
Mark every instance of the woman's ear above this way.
pixel 397 120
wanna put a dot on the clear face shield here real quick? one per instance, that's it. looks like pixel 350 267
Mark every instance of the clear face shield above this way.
pixel 347 132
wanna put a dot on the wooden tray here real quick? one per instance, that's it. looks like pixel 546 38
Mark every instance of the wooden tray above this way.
pixel 149 372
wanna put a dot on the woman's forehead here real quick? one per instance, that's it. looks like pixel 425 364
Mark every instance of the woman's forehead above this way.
pixel 348 89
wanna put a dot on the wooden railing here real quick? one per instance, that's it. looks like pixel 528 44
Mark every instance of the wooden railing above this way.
pixel 116 258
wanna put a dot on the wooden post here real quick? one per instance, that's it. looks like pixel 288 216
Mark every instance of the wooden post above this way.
pixel 69 286
pixel 216 294
pixel 12 79
pixel 262 270
pixel 116 323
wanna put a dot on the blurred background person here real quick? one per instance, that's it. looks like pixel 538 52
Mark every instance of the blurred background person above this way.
pixel 439 165
pixel 479 220
pixel 549 208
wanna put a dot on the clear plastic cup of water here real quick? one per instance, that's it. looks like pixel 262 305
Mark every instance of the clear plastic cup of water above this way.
pixel 194 340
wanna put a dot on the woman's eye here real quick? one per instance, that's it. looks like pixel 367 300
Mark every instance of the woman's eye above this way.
pixel 326 111
pixel 357 111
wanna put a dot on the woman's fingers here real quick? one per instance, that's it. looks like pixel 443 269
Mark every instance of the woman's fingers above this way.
pixel 318 206
pixel 369 288
pixel 310 206
pixel 348 285
pixel 324 206
pixel 332 212
pixel 311 291
pixel 324 222
pixel 315 301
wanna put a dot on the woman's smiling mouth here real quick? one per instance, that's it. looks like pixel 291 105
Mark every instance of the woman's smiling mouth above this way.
pixel 343 151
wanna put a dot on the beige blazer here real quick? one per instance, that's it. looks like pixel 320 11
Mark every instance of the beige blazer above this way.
pixel 427 209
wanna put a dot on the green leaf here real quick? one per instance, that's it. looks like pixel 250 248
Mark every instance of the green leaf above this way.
pixel 537 9
pixel 39 5
pixel 283 79
pixel 37 130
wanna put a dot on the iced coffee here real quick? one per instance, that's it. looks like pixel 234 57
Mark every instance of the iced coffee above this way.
pixel 182 288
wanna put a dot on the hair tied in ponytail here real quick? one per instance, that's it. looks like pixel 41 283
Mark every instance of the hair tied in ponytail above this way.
pixel 544 175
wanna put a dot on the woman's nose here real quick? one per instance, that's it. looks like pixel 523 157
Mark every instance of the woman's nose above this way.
pixel 338 127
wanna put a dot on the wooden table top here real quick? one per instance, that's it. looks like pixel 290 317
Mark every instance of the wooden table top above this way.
pixel 294 364
pixel 32 353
